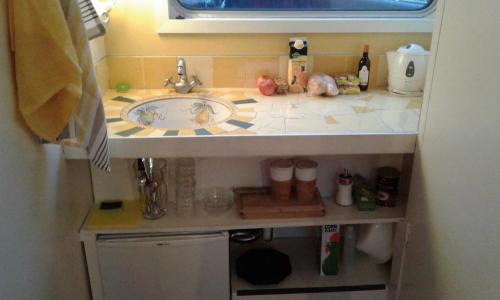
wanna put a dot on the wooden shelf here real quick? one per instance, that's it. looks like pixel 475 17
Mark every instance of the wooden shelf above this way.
pixel 363 275
pixel 201 221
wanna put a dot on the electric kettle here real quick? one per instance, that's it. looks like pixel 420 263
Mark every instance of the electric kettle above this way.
pixel 407 69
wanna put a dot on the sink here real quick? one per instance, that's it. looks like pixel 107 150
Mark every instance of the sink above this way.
pixel 179 112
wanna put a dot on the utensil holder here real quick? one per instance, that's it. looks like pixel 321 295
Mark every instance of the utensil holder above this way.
pixel 153 192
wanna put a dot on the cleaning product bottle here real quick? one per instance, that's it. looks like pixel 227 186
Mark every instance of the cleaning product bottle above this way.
pixel 330 250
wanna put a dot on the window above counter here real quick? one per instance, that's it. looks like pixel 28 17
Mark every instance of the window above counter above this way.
pixel 294 16
pixel 305 5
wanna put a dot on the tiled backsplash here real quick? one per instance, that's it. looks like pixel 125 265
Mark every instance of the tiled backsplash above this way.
pixel 138 55
pixel 224 71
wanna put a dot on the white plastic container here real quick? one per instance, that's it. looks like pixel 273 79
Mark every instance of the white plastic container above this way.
pixel 344 189
pixel 376 241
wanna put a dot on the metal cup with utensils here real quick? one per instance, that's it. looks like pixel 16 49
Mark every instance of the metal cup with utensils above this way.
pixel 150 173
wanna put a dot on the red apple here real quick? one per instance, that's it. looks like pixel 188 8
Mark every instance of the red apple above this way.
pixel 266 85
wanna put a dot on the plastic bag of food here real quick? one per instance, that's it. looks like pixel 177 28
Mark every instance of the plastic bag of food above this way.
pixel 322 85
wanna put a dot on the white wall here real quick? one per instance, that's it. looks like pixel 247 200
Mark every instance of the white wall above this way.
pixel 43 200
pixel 454 209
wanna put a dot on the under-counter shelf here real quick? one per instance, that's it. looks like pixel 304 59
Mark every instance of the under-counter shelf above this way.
pixel 201 221
pixel 374 122
pixel 363 275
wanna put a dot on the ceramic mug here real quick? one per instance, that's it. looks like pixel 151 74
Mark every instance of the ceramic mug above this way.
pixel 305 175
pixel 281 179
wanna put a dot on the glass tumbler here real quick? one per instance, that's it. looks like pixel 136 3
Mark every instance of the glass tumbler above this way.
pixel 185 185
pixel 150 174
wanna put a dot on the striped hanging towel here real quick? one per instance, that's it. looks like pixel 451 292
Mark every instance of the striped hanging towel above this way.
pixel 87 126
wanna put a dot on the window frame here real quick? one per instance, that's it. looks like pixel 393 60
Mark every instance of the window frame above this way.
pixel 168 12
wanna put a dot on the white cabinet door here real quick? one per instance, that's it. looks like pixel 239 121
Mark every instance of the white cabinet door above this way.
pixel 454 204
pixel 177 267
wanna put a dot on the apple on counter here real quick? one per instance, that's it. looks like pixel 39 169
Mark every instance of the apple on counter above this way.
pixel 266 85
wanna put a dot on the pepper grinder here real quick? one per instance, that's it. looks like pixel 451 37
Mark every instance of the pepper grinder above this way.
pixel 344 190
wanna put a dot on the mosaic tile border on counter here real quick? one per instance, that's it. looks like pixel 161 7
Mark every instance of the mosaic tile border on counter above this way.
pixel 373 112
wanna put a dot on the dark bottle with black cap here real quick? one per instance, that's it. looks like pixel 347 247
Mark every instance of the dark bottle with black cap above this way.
pixel 364 70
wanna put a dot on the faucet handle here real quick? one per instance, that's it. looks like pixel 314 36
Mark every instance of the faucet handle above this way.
pixel 196 80
pixel 168 81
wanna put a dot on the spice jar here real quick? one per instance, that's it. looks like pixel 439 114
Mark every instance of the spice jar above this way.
pixel 387 186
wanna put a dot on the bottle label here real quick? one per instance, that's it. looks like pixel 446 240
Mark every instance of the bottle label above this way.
pixel 363 75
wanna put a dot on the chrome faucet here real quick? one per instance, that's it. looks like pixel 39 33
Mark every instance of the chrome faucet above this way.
pixel 183 86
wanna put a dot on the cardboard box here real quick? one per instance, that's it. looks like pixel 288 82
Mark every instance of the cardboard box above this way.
pixel 330 250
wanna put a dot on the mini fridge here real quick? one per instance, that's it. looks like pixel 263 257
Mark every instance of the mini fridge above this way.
pixel 161 266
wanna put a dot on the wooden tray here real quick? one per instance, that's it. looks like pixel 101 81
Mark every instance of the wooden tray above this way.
pixel 257 203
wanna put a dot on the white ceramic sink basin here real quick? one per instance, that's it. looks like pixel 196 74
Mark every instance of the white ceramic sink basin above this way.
pixel 179 112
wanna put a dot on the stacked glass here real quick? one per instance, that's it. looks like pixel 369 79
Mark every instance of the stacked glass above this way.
pixel 185 185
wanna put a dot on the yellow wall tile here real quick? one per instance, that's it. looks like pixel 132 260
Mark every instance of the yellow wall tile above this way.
pixel 102 74
pixel 373 71
pixel 283 66
pixel 329 64
pixel 125 69
pixel 157 69
pixel 201 66
pixel 382 71
pixel 242 71
pixel 352 62
pixel 352 43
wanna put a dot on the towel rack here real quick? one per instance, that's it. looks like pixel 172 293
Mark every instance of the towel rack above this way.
pixel 93 24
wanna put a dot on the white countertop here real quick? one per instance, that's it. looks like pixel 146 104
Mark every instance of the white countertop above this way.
pixel 293 124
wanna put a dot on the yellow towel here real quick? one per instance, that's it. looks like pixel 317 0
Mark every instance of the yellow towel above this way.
pixel 48 75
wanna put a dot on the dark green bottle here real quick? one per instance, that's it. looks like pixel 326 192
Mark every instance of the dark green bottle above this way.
pixel 364 70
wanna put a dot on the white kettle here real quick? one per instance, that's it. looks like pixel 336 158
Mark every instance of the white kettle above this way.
pixel 407 69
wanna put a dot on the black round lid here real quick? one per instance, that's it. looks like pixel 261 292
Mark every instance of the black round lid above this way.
pixel 263 266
